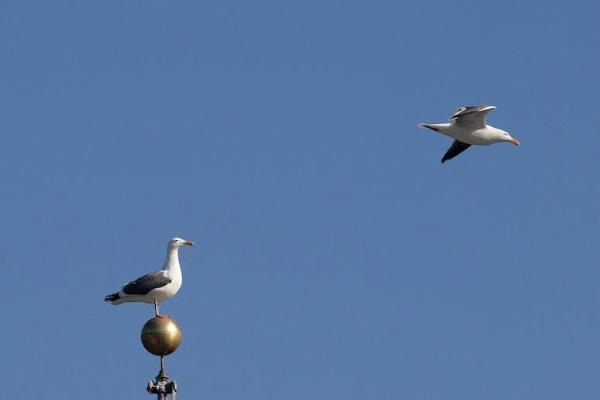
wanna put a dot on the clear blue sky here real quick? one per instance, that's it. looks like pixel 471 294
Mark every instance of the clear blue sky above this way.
pixel 336 257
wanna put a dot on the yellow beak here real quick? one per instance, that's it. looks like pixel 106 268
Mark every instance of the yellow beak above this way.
pixel 188 243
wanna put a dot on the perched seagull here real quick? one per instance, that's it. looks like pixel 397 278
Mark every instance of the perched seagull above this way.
pixel 468 127
pixel 155 287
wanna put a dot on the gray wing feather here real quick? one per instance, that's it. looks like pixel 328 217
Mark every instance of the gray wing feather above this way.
pixel 472 116
pixel 146 283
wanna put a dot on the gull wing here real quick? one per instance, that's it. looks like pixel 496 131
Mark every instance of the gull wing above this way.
pixel 144 284
pixel 471 116
pixel 454 150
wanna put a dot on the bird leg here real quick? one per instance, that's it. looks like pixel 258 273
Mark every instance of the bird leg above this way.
pixel 157 312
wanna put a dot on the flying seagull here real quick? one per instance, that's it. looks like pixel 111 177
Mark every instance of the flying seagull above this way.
pixel 468 127
pixel 155 287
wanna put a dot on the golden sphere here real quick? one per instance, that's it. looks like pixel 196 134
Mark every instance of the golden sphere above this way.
pixel 161 336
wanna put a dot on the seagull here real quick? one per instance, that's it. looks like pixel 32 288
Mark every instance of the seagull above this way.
pixel 154 287
pixel 468 127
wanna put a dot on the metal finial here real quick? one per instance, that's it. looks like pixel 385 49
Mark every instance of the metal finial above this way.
pixel 161 336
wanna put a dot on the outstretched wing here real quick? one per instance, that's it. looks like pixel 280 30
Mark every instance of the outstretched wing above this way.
pixel 454 150
pixel 471 116
pixel 146 283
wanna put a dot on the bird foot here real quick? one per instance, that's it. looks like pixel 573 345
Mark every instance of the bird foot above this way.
pixel 162 316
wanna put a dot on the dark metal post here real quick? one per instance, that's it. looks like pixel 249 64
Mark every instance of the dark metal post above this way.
pixel 162 386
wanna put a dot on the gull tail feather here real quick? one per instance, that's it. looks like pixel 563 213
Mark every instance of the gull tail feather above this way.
pixel 430 126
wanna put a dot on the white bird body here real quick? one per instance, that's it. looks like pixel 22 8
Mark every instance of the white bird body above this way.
pixel 468 127
pixel 481 137
pixel 158 286
pixel 171 271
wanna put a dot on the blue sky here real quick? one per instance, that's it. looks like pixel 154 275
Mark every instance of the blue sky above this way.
pixel 336 257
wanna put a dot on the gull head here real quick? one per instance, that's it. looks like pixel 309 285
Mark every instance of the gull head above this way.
pixel 178 242
pixel 505 137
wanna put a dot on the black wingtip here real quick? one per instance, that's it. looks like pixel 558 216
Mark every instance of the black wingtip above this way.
pixel 454 150
pixel 112 297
